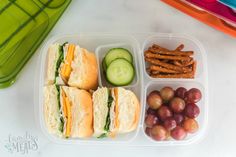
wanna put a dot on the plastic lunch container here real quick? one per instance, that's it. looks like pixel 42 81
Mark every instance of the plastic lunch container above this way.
pixel 99 43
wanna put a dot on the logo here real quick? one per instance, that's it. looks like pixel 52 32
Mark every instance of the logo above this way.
pixel 21 144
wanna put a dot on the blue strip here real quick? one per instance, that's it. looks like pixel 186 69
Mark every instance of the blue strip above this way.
pixel 230 3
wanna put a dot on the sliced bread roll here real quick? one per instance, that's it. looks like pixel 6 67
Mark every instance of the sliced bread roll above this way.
pixel 68 64
pixel 100 110
pixel 84 73
pixel 128 110
pixel 53 55
pixel 68 111
pixel 116 111
pixel 51 110
pixel 81 111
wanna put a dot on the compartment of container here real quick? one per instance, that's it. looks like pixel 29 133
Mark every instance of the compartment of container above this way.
pixel 101 52
pixel 201 118
pixel 91 42
pixel 171 43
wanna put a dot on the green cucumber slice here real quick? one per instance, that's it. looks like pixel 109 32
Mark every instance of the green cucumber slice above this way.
pixel 120 72
pixel 117 53
pixel 104 66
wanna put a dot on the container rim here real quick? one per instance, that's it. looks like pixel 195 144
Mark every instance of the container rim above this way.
pixel 132 142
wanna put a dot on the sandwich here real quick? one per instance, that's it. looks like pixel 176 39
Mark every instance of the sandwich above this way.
pixel 115 111
pixel 68 64
pixel 68 111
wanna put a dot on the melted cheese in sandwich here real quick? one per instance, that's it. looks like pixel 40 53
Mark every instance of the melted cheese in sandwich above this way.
pixel 116 108
pixel 67 114
pixel 66 68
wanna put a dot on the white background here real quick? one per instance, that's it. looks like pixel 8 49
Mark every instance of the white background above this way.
pixel 132 16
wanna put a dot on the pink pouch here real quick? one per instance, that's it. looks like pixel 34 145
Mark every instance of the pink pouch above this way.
pixel 216 8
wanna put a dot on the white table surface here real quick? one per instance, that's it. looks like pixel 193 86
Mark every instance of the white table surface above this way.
pixel 132 16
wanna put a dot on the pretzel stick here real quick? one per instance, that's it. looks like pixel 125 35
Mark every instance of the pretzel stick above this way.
pixel 184 64
pixel 187 75
pixel 155 46
pixel 158 56
pixel 155 72
pixel 180 47
pixel 188 63
pixel 166 63
pixel 178 50
pixel 168 66
pixel 163 70
pixel 150 72
pixel 194 67
pixel 172 53
pixel 165 60
pixel 146 52
pixel 178 63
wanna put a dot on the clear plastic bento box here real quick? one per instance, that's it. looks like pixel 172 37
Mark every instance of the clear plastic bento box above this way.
pixel 142 84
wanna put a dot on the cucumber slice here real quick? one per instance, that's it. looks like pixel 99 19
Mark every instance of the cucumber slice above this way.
pixel 120 72
pixel 117 53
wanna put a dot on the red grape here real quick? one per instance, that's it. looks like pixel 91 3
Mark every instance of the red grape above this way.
pixel 192 110
pixel 159 133
pixel 177 105
pixel 167 93
pixel 180 92
pixel 154 100
pixel 178 118
pixel 164 112
pixel 148 131
pixel 151 111
pixel 193 95
pixel 151 120
pixel 170 124
pixel 190 125
pixel 178 133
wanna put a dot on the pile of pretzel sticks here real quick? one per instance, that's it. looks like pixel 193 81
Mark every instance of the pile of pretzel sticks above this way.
pixel 164 63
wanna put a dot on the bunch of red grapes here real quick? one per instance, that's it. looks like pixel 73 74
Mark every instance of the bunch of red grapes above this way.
pixel 172 113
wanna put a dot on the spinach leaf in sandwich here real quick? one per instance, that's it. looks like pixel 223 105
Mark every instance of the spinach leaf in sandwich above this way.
pixel 60 59
pixel 102 135
pixel 61 126
pixel 108 118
